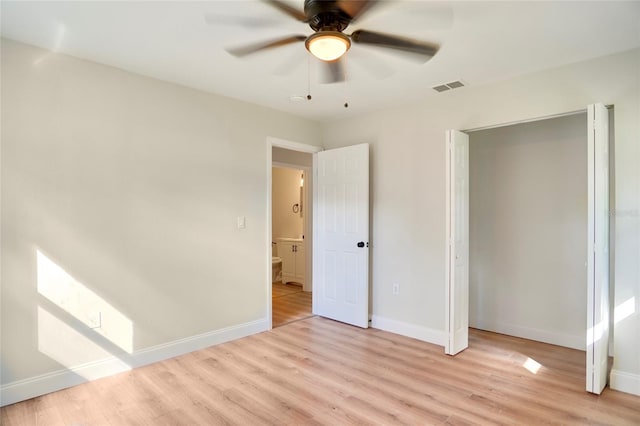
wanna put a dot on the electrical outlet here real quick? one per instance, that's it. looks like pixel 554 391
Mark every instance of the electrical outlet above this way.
pixel 396 288
pixel 94 319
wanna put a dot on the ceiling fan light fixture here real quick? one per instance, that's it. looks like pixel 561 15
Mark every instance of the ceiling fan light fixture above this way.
pixel 328 45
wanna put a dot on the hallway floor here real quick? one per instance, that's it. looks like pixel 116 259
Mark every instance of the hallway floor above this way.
pixel 290 303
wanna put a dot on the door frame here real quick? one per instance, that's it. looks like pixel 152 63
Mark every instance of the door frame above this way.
pixel 272 142
pixel 448 329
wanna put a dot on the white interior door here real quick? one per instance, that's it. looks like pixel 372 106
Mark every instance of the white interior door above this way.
pixel 598 248
pixel 457 251
pixel 341 235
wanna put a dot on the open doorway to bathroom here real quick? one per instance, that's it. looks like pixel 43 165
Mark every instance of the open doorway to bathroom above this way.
pixel 290 223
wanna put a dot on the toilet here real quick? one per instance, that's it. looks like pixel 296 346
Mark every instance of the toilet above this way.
pixel 276 269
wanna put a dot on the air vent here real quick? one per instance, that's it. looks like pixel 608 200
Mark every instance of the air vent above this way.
pixel 448 86
pixel 455 84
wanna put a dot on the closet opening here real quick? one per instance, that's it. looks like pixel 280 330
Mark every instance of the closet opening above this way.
pixel 527 222
pixel 528 234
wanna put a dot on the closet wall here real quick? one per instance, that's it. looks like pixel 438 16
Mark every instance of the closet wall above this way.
pixel 528 221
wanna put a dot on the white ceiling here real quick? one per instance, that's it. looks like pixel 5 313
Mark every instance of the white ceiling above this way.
pixel 480 42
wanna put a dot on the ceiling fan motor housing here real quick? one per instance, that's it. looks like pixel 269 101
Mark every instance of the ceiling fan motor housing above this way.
pixel 325 15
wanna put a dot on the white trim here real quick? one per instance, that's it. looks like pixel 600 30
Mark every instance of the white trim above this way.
pixel 429 335
pixel 269 236
pixel 545 336
pixel 625 382
pixel 526 120
pixel 315 259
pixel 56 380
pixel 294 146
pixel 530 120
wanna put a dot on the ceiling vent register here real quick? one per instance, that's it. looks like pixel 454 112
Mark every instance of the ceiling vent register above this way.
pixel 448 86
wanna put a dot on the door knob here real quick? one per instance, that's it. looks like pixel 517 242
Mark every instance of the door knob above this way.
pixel 361 244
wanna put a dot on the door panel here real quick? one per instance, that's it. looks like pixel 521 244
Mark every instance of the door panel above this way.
pixel 598 248
pixel 457 252
pixel 341 220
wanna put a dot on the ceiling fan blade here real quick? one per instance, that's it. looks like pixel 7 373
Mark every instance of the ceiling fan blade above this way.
pixel 371 62
pixel 422 49
pixel 333 71
pixel 256 47
pixel 355 8
pixel 288 10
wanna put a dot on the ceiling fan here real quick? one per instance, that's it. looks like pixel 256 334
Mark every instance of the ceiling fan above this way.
pixel 329 19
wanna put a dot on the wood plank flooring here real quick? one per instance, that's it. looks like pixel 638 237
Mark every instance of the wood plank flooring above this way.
pixel 289 303
pixel 317 371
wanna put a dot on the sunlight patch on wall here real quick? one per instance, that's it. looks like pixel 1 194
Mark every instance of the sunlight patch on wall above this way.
pixel 76 299
pixel 624 310
pixel 69 347
pixel 532 365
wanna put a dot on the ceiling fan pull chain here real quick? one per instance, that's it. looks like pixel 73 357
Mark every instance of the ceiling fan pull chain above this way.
pixel 308 77
pixel 346 82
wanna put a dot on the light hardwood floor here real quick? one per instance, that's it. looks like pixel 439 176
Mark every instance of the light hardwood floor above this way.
pixel 317 371
pixel 289 303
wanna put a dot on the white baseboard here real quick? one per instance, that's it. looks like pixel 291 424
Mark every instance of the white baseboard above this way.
pixel 545 336
pixel 437 337
pixel 56 380
pixel 625 382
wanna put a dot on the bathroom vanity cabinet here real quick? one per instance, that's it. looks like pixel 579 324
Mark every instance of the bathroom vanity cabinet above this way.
pixel 291 251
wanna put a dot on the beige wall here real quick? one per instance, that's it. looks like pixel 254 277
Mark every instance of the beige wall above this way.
pixel 286 193
pixel 527 230
pixel 130 188
pixel 408 184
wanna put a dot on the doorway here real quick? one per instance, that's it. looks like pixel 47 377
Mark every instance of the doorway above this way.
pixel 290 238
pixel 291 291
